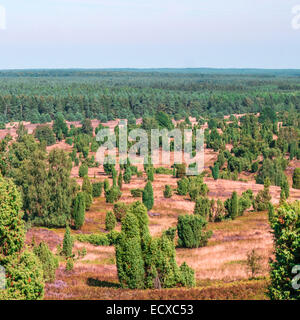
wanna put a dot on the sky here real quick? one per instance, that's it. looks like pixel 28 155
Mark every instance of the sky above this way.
pixel 149 34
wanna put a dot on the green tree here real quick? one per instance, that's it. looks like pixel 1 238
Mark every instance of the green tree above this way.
pixel 87 189
pixel 48 260
pixel 110 221
pixel 83 170
pixel 183 186
pixel 285 225
pixel 60 126
pixel 148 198
pixel 168 192
pixel 12 231
pixel 24 274
pixel 67 243
pixel 263 197
pixel 79 210
pixel 296 178
pixel 120 180
pixel 45 133
pixel 215 171
pixel 203 207
pixel 191 232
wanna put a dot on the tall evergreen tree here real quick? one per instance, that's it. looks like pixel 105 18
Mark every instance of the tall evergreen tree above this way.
pixel 79 210
pixel 148 198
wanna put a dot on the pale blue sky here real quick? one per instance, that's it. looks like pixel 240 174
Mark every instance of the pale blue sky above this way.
pixel 149 33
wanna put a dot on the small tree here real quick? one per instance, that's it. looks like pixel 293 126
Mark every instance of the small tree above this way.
pixel 48 260
pixel 129 257
pixel 296 178
pixel 83 170
pixel 97 189
pixel 215 171
pixel 79 210
pixel 190 231
pixel 150 174
pixel 232 206
pixel 263 197
pixel 67 243
pixel 110 221
pixel 180 170
pixel 285 224
pixel 168 191
pixel 203 207
pixel 87 189
pixel 254 263
pixel 106 185
pixel 127 175
pixel 113 195
pixel 148 198
pixel 120 210
pixel 120 180
pixel 183 186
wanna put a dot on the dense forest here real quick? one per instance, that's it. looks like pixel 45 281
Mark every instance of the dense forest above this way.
pixel 38 95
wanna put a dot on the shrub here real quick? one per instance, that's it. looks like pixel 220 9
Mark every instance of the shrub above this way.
pixel 180 170
pixel 113 195
pixel 120 210
pixel 215 171
pixel 127 175
pixel 67 243
pixel 136 193
pixel 106 185
pixel 79 210
pixel 129 257
pixel 143 262
pixel 24 277
pixel 285 224
pixel 148 198
pixel 120 180
pixel 94 239
pixel 97 189
pixel 168 192
pixel 45 133
pixel 263 198
pixel 87 190
pixel 83 170
pixel 110 221
pixel 48 260
pixel 187 276
pixel 150 174
pixel 296 178
pixel 254 263
pixel 183 186
pixel 12 230
pixel 254 167
pixel 163 170
pixel 190 231
pixel 232 206
pixel 69 141
pixel 70 264
pixel 203 207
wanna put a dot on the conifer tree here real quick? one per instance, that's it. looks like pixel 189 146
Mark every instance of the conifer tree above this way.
pixel 148 198
pixel 296 178
pixel 67 243
pixel 79 210
pixel 120 180
pixel 110 221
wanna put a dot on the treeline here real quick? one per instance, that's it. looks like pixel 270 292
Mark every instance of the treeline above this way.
pixel 37 96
